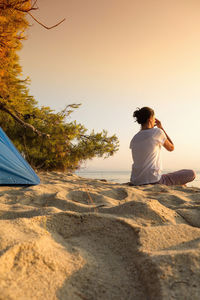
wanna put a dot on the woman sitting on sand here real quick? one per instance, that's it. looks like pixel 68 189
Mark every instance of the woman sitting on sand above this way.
pixel 146 147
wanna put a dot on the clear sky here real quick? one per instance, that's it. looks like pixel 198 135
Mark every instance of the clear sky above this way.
pixel 114 56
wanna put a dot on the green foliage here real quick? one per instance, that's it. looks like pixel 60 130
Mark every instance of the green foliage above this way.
pixel 68 146
pixel 69 143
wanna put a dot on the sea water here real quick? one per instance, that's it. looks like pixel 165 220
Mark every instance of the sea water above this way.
pixel 124 176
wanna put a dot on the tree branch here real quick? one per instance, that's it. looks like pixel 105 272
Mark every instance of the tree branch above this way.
pixel 35 4
pixel 46 27
pixel 17 7
pixel 90 138
pixel 22 123
pixel 25 10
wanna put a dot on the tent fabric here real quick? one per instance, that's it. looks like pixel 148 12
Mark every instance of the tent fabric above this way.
pixel 14 169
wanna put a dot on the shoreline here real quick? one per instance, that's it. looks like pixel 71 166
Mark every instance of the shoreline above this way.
pixel 124 176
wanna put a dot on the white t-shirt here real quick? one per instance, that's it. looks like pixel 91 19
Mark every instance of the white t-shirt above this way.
pixel 146 146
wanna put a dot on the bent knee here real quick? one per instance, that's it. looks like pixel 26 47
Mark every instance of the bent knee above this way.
pixel 192 174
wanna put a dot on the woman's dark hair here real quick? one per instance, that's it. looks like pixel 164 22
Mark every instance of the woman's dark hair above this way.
pixel 143 114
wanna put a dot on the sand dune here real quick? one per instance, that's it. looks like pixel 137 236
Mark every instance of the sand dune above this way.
pixel 75 238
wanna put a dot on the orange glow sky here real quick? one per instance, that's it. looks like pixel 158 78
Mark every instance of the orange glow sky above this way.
pixel 115 55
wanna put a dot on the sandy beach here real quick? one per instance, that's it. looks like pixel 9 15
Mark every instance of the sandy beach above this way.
pixel 75 238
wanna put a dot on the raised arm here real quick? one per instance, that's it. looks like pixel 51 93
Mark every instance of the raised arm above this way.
pixel 168 144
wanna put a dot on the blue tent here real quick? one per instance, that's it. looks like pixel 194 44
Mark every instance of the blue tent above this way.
pixel 14 169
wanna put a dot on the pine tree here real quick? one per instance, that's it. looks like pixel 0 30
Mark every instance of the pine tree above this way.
pixel 48 140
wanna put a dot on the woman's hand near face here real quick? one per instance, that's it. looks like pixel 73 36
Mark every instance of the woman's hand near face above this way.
pixel 158 124
pixel 168 143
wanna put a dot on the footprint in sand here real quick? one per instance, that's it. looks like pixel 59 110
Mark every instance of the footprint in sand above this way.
pixel 86 197
pixel 117 194
pixel 168 200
